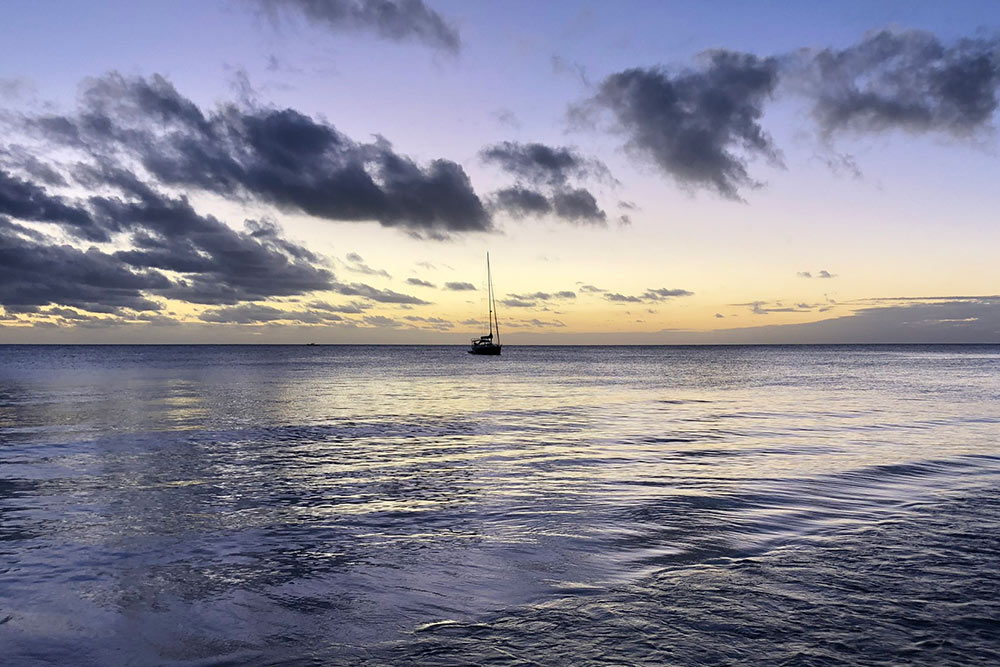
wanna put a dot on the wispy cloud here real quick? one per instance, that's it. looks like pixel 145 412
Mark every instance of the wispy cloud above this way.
pixel 389 19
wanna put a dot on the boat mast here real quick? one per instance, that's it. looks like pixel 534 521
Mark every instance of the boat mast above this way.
pixel 489 294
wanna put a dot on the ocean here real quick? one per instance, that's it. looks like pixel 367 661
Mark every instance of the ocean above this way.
pixel 317 505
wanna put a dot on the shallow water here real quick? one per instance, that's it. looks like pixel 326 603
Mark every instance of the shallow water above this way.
pixel 556 505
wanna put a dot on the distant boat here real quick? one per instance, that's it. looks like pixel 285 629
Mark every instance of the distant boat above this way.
pixel 486 344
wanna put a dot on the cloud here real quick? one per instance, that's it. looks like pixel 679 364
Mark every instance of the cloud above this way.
pixel 622 298
pixel 518 303
pixel 591 289
pixel 257 313
pixel 459 287
pixel 521 202
pixel 248 313
pixel 701 126
pixel 535 166
pixel 534 323
pixel 380 321
pixel 218 265
pixel 651 294
pixel 396 20
pixel 15 88
pixel 531 300
pixel 157 320
pixel 27 201
pixel 375 294
pixel 34 273
pixel 578 205
pixel 278 157
pixel 823 273
pixel 419 283
pixel 355 307
pixel 963 320
pixel 765 307
pixel 506 118
pixel 698 126
pixel 662 293
pixel 536 162
pixel 356 264
pixel 435 323
pixel 906 80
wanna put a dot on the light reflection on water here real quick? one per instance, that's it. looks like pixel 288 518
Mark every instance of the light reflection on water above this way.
pixel 258 504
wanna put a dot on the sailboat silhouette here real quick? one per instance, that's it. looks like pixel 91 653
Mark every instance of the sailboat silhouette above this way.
pixel 486 344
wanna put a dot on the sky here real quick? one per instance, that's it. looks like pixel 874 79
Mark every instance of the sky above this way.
pixel 335 171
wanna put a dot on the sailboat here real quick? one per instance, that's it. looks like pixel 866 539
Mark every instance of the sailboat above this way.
pixel 486 344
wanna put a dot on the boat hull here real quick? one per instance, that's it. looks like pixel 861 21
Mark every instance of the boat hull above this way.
pixel 486 349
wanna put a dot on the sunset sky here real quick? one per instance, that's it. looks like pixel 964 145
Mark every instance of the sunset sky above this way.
pixel 288 171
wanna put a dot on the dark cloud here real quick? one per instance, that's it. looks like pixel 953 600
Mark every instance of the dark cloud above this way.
pixel 905 80
pixel 274 156
pixel 518 303
pixel 536 162
pixel 380 321
pixel 651 294
pixel 591 289
pixel 25 200
pixel 459 287
pixel 27 162
pixel 66 313
pixel 375 294
pixel 134 138
pixel 396 20
pixel 355 307
pixel 622 298
pixel 536 165
pixel 215 263
pixel 34 273
pixel 219 265
pixel 419 283
pixel 804 274
pixel 247 313
pixel 531 300
pixel 765 307
pixel 578 206
pixel 825 274
pixel 534 323
pixel 664 293
pixel 698 126
pixel 435 323
pixel 257 313
pixel 157 320
pixel 521 202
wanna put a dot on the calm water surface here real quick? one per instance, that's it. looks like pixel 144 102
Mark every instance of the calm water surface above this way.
pixel 556 505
